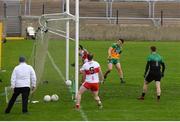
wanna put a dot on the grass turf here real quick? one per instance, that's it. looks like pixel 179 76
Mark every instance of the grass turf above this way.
pixel 119 100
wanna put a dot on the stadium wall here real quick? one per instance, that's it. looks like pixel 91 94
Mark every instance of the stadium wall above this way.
pixel 113 31
pixel 129 32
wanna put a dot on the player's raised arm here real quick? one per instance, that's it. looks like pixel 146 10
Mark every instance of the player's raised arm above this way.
pixel 109 52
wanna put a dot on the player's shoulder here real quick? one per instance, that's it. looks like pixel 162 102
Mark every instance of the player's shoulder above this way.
pixel 96 63
pixel 85 64
pixel 154 56
pixel 85 50
pixel 22 65
pixel 159 56
pixel 16 67
pixel 114 45
pixel 149 57
pixel 90 63
pixel 29 66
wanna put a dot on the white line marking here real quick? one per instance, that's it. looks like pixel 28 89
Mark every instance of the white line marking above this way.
pixel 83 115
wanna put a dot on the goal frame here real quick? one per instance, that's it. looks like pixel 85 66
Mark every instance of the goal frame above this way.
pixel 67 37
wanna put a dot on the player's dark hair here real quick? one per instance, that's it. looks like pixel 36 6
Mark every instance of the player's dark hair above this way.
pixel 153 48
pixel 90 56
pixel 22 59
pixel 122 40
pixel 80 47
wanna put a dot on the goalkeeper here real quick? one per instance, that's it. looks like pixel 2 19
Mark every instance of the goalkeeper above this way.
pixel 114 54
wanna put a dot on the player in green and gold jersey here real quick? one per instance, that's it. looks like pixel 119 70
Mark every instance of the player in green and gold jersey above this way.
pixel 114 54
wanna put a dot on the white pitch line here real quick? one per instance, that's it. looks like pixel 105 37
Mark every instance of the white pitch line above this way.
pixel 55 66
pixel 83 115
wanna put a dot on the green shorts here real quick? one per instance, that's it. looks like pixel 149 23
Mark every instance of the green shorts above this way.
pixel 113 61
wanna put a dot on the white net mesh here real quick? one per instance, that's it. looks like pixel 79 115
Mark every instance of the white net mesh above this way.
pixel 50 52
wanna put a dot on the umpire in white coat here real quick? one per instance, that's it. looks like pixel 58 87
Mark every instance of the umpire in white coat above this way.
pixel 22 79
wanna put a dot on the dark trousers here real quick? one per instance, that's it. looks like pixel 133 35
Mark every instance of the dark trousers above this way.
pixel 25 94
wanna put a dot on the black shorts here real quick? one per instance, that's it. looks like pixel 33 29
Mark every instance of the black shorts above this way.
pixel 153 76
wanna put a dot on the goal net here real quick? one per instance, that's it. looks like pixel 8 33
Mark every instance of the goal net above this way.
pixel 54 54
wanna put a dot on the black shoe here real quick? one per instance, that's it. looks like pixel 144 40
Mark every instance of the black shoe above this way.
pixel 73 65
pixel 25 112
pixel 105 77
pixel 158 100
pixel 140 98
pixel 100 106
pixel 122 81
pixel 7 112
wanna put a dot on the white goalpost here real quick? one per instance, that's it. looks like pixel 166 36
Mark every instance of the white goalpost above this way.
pixel 65 18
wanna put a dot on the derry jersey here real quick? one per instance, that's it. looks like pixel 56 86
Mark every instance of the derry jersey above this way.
pixel 83 54
pixel 91 69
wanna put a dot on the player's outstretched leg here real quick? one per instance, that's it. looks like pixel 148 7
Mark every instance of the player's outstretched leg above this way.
pixel 78 97
pixel 97 98
pixel 108 71
pixel 120 72
pixel 145 86
pixel 106 74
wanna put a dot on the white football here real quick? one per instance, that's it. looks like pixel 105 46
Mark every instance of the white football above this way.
pixel 47 98
pixel 68 82
pixel 54 97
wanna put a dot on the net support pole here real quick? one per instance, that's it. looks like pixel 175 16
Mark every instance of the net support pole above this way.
pixel 161 17
pixel 1 34
pixel 29 7
pixel 67 42
pixel 153 9
pixel 76 46
pixel 150 10
pixel 25 7
pixel 110 11
pixel 107 15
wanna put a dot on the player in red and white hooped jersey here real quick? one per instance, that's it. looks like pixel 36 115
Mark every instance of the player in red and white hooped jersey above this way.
pixel 92 76
pixel 83 53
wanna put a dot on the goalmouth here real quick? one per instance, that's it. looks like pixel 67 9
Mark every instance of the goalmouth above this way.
pixel 48 24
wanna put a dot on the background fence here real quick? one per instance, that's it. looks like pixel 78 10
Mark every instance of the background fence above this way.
pixel 106 12
pixel 102 8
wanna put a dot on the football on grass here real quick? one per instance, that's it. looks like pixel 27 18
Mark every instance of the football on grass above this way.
pixel 54 97
pixel 47 98
pixel 68 82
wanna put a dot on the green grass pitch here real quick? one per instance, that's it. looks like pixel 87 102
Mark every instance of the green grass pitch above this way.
pixel 119 100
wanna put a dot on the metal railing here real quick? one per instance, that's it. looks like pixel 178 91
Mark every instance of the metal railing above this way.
pixel 113 11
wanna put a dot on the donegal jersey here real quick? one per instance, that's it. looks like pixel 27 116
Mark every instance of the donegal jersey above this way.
pixel 91 69
pixel 116 51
